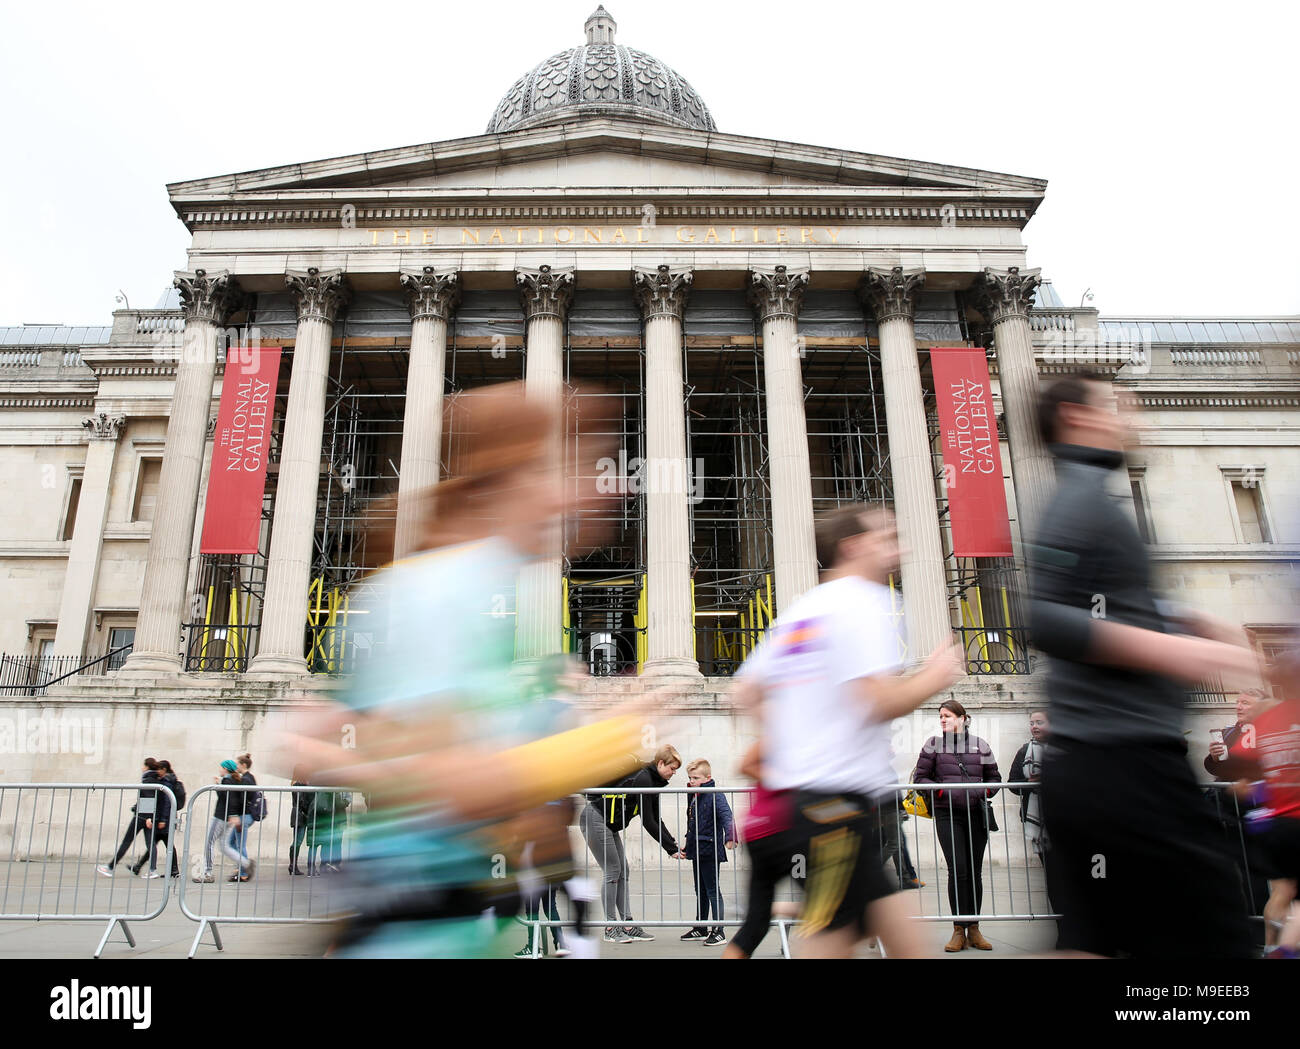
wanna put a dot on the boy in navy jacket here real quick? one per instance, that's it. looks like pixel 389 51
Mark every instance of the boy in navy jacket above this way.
pixel 709 825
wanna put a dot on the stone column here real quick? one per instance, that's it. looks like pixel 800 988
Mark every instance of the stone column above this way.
pixel 208 301
pixel 88 535
pixel 432 296
pixel 776 295
pixel 1004 297
pixel 320 296
pixel 666 479
pixel 547 295
pixel 890 295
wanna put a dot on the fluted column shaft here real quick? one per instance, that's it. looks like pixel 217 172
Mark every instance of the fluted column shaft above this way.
pixel 79 579
pixel 280 650
pixel 208 301
pixel 431 296
pixel 1005 297
pixel 777 295
pixel 547 294
pixel 890 295
pixel 666 480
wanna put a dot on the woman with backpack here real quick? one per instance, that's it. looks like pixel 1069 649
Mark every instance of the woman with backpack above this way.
pixel 166 831
pixel 243 809
pixel 150 815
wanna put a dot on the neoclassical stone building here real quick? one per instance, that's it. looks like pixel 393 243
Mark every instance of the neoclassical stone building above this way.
pixel 749 323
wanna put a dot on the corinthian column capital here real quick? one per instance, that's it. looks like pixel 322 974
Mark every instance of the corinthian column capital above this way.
pixel 1002 294
pixel 104 427
pixel 777 292
pixel 546 292
pixel 320 295
pixel 210 297
pixel 430 292
pixel 891 293
pixel 662 291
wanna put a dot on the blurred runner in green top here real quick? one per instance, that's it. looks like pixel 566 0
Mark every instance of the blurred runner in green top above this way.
pixel 449 745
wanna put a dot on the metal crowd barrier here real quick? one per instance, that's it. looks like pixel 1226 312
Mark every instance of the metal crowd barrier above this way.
pixel 57 835
pixel 305 828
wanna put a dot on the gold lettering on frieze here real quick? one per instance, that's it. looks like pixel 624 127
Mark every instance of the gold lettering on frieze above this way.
pixel 496 235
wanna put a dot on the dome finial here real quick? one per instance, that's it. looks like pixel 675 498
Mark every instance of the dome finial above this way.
pixel 600 27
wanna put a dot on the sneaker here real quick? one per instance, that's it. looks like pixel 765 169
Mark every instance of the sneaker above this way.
pixel 635 932
pixel 524 952
pixel 715 939
pixel 155 874
pixel 694 934
pixel 328 868
pixel 207 878
pixel 614 935
pixel 105 870
pixel 562 952
pixel 135 869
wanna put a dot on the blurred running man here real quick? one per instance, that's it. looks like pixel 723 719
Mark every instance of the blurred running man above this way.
pixel 1118 793
pixel 448 745
pixel 826 684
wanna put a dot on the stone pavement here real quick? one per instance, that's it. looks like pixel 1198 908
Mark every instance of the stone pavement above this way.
pixel 52 887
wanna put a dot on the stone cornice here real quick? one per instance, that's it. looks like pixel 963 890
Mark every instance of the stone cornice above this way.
pixel 431 292
pixel 777 292
pixel 662 291
pixel 476 208
pixel 836 168
pixel 891 293
pixel 546 291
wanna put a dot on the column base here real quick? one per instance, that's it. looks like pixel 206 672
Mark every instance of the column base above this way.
pixel 674 667
pixel 277 666
pixel 150 664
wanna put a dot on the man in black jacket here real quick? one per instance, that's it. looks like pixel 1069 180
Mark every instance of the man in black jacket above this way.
pixel 1027 767
pixel 604 818
pixel 1118 792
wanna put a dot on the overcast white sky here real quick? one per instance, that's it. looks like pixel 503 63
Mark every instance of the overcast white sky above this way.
pixel 1167 132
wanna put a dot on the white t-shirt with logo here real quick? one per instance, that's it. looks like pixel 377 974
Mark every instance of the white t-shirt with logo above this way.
pixel 817 734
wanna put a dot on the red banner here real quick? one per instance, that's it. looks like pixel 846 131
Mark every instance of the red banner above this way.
pixel 232 517
pixel 972 461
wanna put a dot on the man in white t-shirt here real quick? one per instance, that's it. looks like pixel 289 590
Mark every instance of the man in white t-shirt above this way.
pixel 826 683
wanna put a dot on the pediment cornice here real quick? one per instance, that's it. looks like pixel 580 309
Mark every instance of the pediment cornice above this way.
pixel 819 178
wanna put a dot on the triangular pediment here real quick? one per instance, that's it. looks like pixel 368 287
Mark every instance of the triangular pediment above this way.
pixel 606 155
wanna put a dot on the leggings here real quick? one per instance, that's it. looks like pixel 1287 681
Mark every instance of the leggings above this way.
pixel 771 858
pixel 963 838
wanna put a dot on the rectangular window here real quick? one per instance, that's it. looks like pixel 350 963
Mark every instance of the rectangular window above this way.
pixel 70 517
pixel 118 637
pixel 1137 481
pixel 146 489
pixel 1250 515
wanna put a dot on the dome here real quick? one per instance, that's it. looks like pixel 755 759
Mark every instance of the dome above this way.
pixel 600 78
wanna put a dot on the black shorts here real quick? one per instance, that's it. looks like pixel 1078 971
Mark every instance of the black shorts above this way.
pixel 1280 844
pixel 841 833
pixel 1138 863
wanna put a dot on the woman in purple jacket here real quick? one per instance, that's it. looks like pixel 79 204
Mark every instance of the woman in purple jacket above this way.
pixel 961 817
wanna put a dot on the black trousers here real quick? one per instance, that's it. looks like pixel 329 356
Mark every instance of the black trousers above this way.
pixel 963 838
pixel 708 896
pixel 1138 865
pixel 133 831
pixel 161 839
pixel 771 859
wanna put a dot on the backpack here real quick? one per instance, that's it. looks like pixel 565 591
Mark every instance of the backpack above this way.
pixel 178 788
pixel 255 806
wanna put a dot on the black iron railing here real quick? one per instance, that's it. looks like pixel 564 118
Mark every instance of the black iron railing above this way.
pixel 218 649
pixel 32 675
pixel 1000 650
